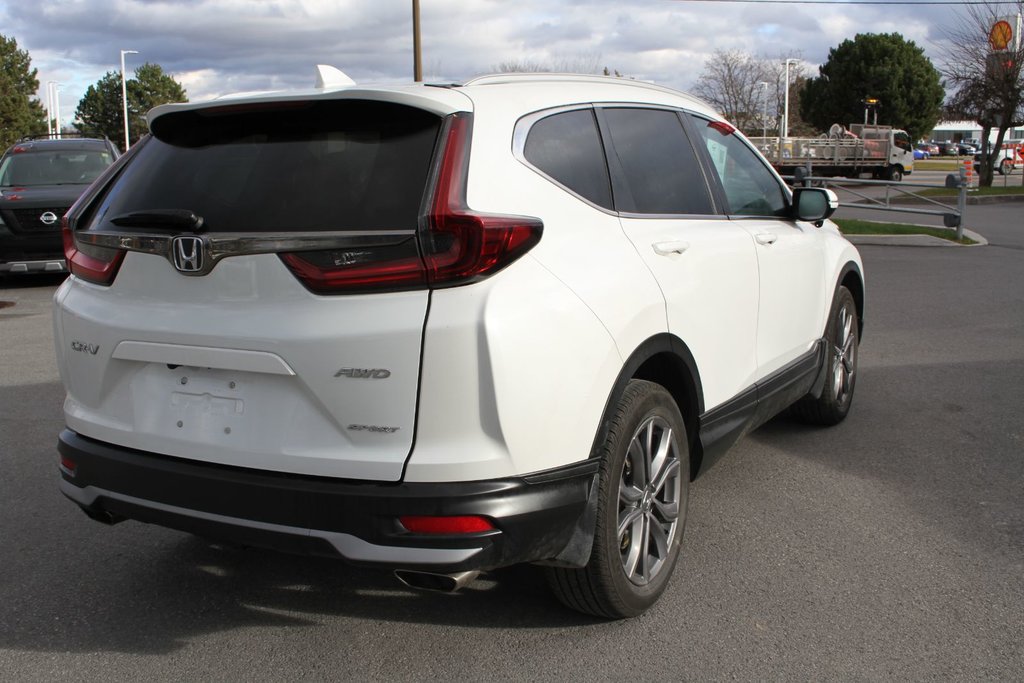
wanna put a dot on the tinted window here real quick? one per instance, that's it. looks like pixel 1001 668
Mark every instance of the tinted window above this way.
pixel 339 165
pixel 662 174
pixel 568 148
pixel 751 189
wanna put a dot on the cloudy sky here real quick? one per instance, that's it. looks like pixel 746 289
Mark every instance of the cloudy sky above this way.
pixel 218 46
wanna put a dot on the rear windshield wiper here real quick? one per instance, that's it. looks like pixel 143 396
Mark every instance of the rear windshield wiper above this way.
pixel 160 218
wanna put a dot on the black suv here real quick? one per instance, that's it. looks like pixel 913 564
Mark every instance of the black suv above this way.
pixel 40 178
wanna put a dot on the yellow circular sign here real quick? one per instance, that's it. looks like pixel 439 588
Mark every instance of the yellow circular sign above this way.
pixel 1000 35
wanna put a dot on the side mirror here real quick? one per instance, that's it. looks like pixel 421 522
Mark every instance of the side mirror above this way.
pixel 814 204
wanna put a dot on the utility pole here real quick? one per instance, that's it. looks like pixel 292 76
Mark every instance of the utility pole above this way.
pixel 417 60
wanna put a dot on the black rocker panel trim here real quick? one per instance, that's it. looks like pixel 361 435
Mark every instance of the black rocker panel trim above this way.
pixel 723 426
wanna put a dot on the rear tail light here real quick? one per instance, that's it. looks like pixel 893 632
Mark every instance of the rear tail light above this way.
pixel 465 524
pixel 95 264
pixel 456 245
pixel 386 267
pixel 462 245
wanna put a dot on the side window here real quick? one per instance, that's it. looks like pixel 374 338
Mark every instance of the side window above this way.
pixel 751 189
pixel 568 148
pixel 662 174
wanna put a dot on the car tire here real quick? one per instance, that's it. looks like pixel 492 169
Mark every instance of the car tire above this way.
pixel 640 516
pixel 894 174
pixel 1005 167
pixel 842 337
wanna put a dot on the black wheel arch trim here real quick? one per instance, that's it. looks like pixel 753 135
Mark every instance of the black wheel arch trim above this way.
pixel 638 366
pixel 851 269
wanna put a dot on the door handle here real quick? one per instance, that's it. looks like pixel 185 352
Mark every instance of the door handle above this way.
pixel 672 247
pixel 766 238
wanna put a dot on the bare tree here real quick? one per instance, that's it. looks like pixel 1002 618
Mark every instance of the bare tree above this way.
pixel 775 68
pixel 580 64
pixel 746 88
pixel 984 71
pixel 730 81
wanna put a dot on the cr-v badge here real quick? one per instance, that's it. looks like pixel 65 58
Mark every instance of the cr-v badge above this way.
pixel 188 253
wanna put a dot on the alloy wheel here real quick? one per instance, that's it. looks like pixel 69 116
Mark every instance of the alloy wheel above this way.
pixel 844 362
pixel 649 500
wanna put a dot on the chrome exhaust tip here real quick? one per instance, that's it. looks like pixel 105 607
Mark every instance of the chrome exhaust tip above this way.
pixel 430 581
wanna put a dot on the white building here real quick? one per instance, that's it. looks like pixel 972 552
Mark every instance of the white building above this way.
pixel 956 131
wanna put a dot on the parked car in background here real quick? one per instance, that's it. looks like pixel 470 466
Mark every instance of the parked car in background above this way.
pixel 440 330
pixel 965 149
pixel 930 147
pixel 40 178
pixel 947 148
pixel 1008 158
pixel 920 154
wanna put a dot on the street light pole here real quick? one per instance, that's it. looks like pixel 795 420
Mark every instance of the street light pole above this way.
pixel 124 95
pixel 785 107
pixel 49 106
pixel 764 109
pixel 56 105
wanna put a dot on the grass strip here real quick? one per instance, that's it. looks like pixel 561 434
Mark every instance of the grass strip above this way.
pixel 851 226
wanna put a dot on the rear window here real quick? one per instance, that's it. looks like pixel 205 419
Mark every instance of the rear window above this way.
pixel 568 148
pixel 53 167
pixel 341 165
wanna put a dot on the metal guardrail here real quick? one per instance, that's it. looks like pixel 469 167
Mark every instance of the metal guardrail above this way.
pixel 951 217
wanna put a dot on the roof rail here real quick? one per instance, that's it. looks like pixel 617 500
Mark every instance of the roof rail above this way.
pixel 61 136
pixel 542 77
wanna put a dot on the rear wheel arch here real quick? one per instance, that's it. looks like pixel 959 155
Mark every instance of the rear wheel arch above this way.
pixel 663 359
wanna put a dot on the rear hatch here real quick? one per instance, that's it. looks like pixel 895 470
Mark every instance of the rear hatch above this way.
pixel 249 290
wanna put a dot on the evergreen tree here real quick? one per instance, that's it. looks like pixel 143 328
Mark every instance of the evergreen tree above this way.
pixel 100 111
pixel 20 113
pixel 883 66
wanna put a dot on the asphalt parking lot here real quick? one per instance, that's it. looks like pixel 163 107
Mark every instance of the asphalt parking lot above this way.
pixel 890 547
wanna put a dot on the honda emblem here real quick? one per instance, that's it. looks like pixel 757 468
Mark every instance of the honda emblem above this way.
pixel 188 254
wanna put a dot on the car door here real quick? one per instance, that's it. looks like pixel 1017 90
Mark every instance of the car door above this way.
pixel 790 253
pixel 704 263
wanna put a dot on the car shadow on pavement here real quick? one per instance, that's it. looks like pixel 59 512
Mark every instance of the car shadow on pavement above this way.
pixel 953 460
pixel 164 595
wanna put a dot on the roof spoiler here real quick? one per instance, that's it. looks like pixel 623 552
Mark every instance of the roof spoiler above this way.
pixel 330 77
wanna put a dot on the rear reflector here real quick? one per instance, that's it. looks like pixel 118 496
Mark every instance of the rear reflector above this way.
pixel 467 524
pixel 68 466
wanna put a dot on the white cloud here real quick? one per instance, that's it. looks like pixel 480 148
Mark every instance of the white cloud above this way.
pixel 219 46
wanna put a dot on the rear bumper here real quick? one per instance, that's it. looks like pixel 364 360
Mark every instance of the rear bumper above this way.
pixel 546 516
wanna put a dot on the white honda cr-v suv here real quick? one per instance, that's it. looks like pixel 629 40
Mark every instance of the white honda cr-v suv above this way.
pixel 444 328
